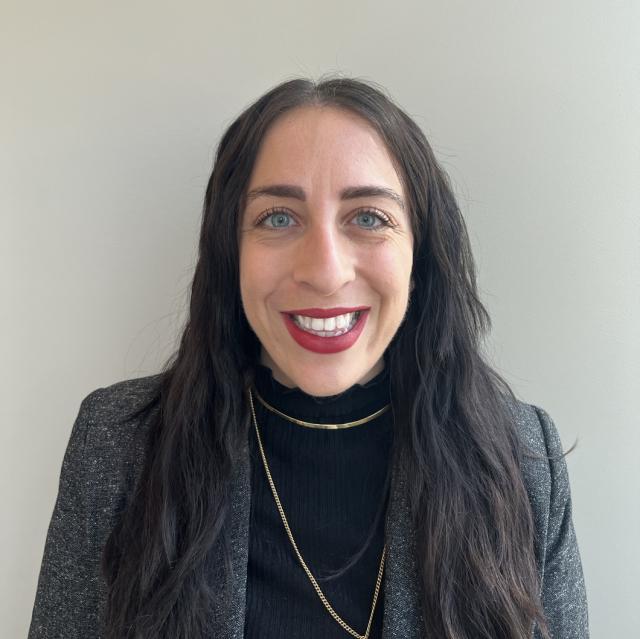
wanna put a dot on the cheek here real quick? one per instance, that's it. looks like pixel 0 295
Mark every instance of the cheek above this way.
pixel 250 284
pixel 390 274
pixel 259 278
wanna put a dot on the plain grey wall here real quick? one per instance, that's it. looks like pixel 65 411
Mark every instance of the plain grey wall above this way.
pixel 109 116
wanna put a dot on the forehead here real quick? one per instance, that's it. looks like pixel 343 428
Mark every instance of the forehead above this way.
pixel 323 147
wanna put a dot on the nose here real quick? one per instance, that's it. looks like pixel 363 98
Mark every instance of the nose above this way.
pixel 324 260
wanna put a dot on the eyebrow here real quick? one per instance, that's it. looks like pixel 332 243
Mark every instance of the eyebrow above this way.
pixel 349 193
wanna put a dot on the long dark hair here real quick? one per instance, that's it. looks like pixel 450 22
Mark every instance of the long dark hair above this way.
pixel 470 509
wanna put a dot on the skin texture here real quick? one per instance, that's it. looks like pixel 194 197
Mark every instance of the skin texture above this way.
pixel 322 252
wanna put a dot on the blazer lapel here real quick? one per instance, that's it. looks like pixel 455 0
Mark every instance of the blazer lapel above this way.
pixel 229 606
pixel 402 615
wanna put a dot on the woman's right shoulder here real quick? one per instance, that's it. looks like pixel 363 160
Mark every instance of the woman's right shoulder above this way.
pixel 113 421
pixel 122 398
pixel 117 403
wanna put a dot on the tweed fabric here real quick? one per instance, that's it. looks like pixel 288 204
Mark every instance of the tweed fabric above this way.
pixel 102 464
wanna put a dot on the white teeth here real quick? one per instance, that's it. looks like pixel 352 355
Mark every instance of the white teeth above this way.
pixel 327 327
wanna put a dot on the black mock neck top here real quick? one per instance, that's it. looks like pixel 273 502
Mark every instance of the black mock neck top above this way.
pixel 333 486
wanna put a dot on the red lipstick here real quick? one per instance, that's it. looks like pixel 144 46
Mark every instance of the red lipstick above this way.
pixel 325 345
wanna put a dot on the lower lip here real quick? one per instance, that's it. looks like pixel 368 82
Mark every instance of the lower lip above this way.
pixel 325 345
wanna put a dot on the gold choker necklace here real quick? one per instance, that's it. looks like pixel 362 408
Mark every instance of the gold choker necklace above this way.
pixel 300 422
pixel 312 579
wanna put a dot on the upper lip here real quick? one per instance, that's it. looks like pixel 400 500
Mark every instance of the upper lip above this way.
pixel 326 312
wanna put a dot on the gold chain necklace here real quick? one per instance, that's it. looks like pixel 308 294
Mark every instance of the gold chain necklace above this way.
pixel 327 605
pixel 300 422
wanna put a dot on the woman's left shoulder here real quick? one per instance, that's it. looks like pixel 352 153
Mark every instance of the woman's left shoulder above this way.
pixel 536 429
pixel 542 460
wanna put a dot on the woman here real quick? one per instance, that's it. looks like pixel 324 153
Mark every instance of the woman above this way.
pixel 327 454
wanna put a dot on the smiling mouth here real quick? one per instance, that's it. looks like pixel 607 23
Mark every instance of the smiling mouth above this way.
pixel 326 330
pixel 327 326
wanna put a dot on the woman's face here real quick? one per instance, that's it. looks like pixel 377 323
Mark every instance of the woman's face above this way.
pixel 325 250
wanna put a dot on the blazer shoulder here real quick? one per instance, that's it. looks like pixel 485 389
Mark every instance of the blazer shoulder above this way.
pixel 114 422
pixel 122 398
pixel 536 430
pixel 542 461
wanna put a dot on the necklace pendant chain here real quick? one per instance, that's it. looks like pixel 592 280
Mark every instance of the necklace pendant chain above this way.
pixel 312 579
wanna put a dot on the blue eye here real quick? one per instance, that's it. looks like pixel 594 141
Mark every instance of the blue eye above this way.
pixel 370 220
pixel 276 220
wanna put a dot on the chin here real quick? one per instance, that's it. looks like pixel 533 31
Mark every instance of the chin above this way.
pixel 325 383
pixel 322 378
pixel 322 388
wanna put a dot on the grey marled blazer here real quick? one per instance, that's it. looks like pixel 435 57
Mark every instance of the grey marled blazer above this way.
pixel 103 460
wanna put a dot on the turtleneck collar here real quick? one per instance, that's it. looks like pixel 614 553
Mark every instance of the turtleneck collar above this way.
pixel 354 403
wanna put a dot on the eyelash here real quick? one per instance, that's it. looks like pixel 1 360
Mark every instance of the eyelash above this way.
pixel 383 217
